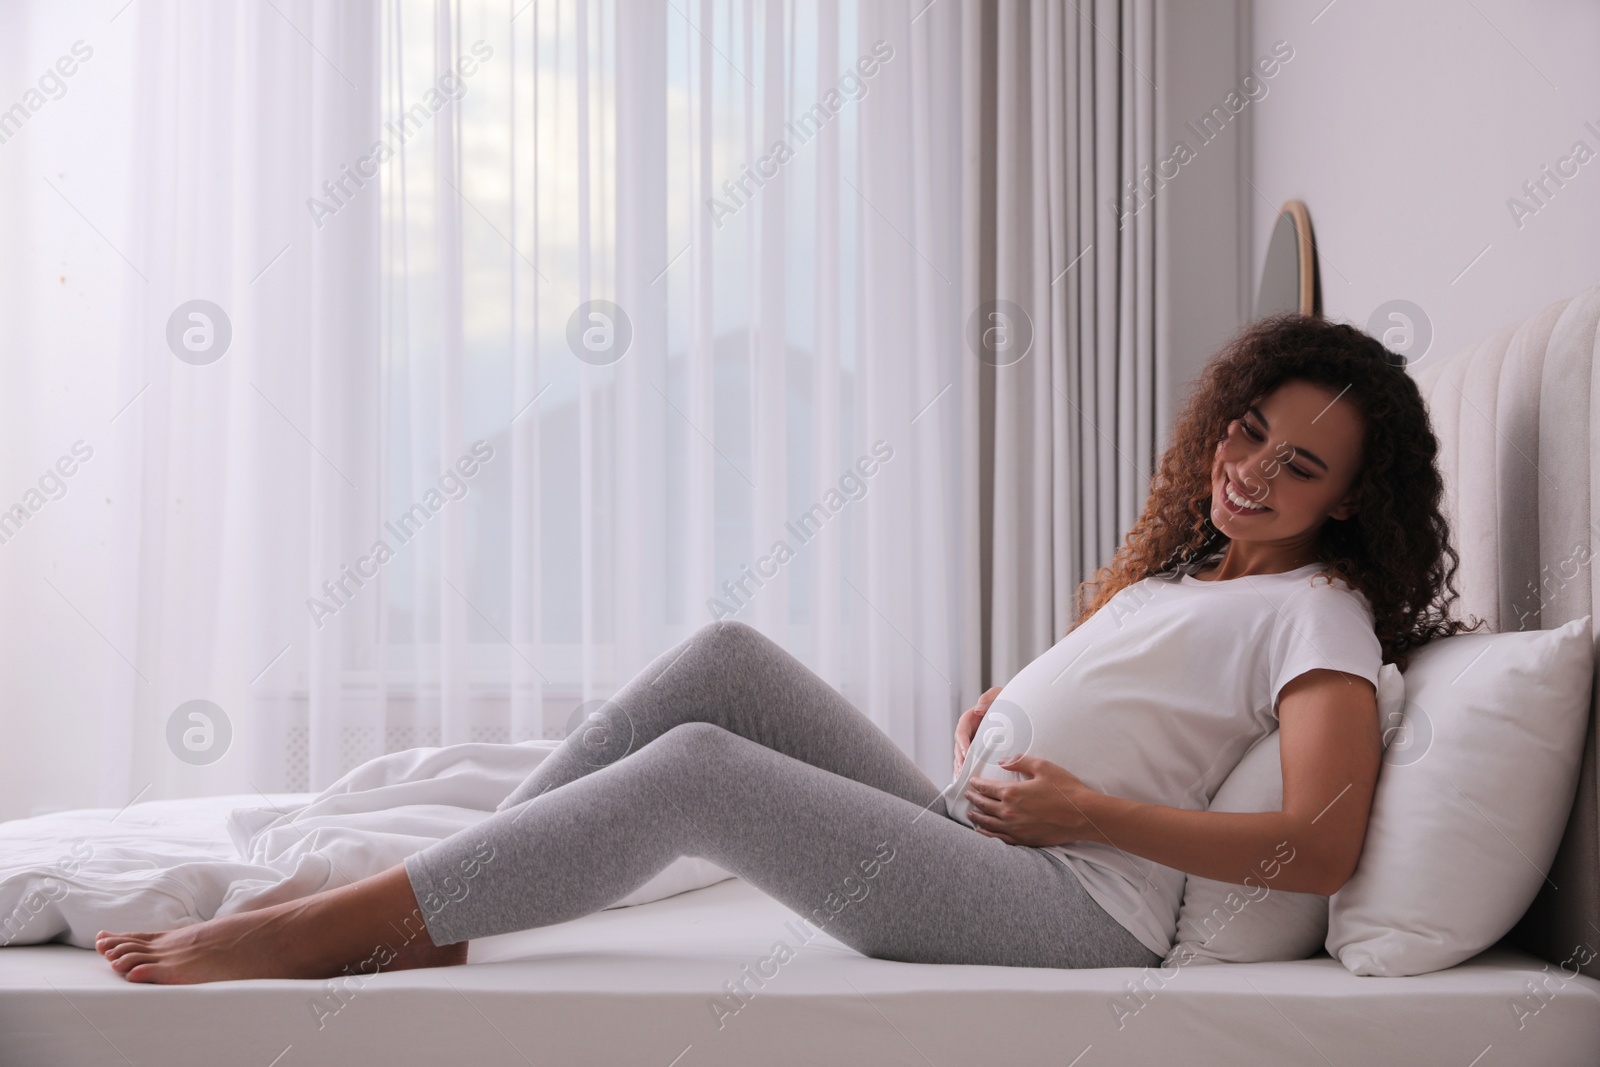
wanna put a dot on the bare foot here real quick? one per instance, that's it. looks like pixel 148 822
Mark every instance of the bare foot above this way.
pixel 344 931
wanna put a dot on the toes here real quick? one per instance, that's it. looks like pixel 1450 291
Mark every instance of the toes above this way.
pixel 104 940
pixel 117 951
pixel 128 961
pixel 144 971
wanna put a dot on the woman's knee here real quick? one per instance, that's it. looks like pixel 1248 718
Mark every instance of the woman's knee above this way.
pixel 696 737
pixel 729 632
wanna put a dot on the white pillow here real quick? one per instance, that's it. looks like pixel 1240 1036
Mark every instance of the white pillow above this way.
pixel 1463 832
pixel 1225 922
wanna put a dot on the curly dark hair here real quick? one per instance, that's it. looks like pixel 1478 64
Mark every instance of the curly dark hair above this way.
pixel 1395 549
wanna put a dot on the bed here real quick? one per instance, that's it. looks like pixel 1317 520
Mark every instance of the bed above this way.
pixel 650 983
pixel 636 985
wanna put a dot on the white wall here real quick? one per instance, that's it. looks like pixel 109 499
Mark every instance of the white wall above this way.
pixel 1406 126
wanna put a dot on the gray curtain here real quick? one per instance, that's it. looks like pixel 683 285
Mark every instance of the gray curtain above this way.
pixel 1060 106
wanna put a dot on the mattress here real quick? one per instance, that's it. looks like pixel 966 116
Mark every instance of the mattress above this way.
pixel 706 969
pixel 652 984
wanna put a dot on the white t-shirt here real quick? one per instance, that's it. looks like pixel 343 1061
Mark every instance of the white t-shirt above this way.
pixel 1157 696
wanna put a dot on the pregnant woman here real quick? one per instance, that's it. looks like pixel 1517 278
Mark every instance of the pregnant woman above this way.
pixel 1292 542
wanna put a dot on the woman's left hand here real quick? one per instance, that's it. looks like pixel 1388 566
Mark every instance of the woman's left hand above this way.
pixel 1048 806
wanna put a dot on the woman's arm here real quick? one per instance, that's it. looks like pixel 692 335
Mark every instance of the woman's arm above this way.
pixel 1330 752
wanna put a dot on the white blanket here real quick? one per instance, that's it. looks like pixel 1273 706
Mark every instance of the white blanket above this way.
pixel 164 864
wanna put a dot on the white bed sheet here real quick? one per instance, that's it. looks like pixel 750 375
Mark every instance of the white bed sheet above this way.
pixel 635 985
pixel 168 863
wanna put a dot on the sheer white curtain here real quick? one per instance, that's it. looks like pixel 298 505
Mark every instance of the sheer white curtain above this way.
pixel 443 362
pixel 555 330
pixel 681 268
pixel 249 452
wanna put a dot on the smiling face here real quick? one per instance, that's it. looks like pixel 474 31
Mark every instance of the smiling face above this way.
pixel 1284 466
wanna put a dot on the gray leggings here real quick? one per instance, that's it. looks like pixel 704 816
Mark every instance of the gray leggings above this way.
pixel 728 748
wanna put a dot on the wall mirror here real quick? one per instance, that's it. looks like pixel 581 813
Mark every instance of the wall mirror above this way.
pixel 1289 277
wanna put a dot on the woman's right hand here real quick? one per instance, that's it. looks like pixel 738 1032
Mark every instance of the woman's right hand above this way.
pixel 967 725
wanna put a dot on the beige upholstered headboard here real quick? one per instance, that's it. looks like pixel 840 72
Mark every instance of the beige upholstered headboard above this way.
pixel 1517 416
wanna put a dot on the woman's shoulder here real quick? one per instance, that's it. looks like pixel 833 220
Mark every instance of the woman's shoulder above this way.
pixel 1324 588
